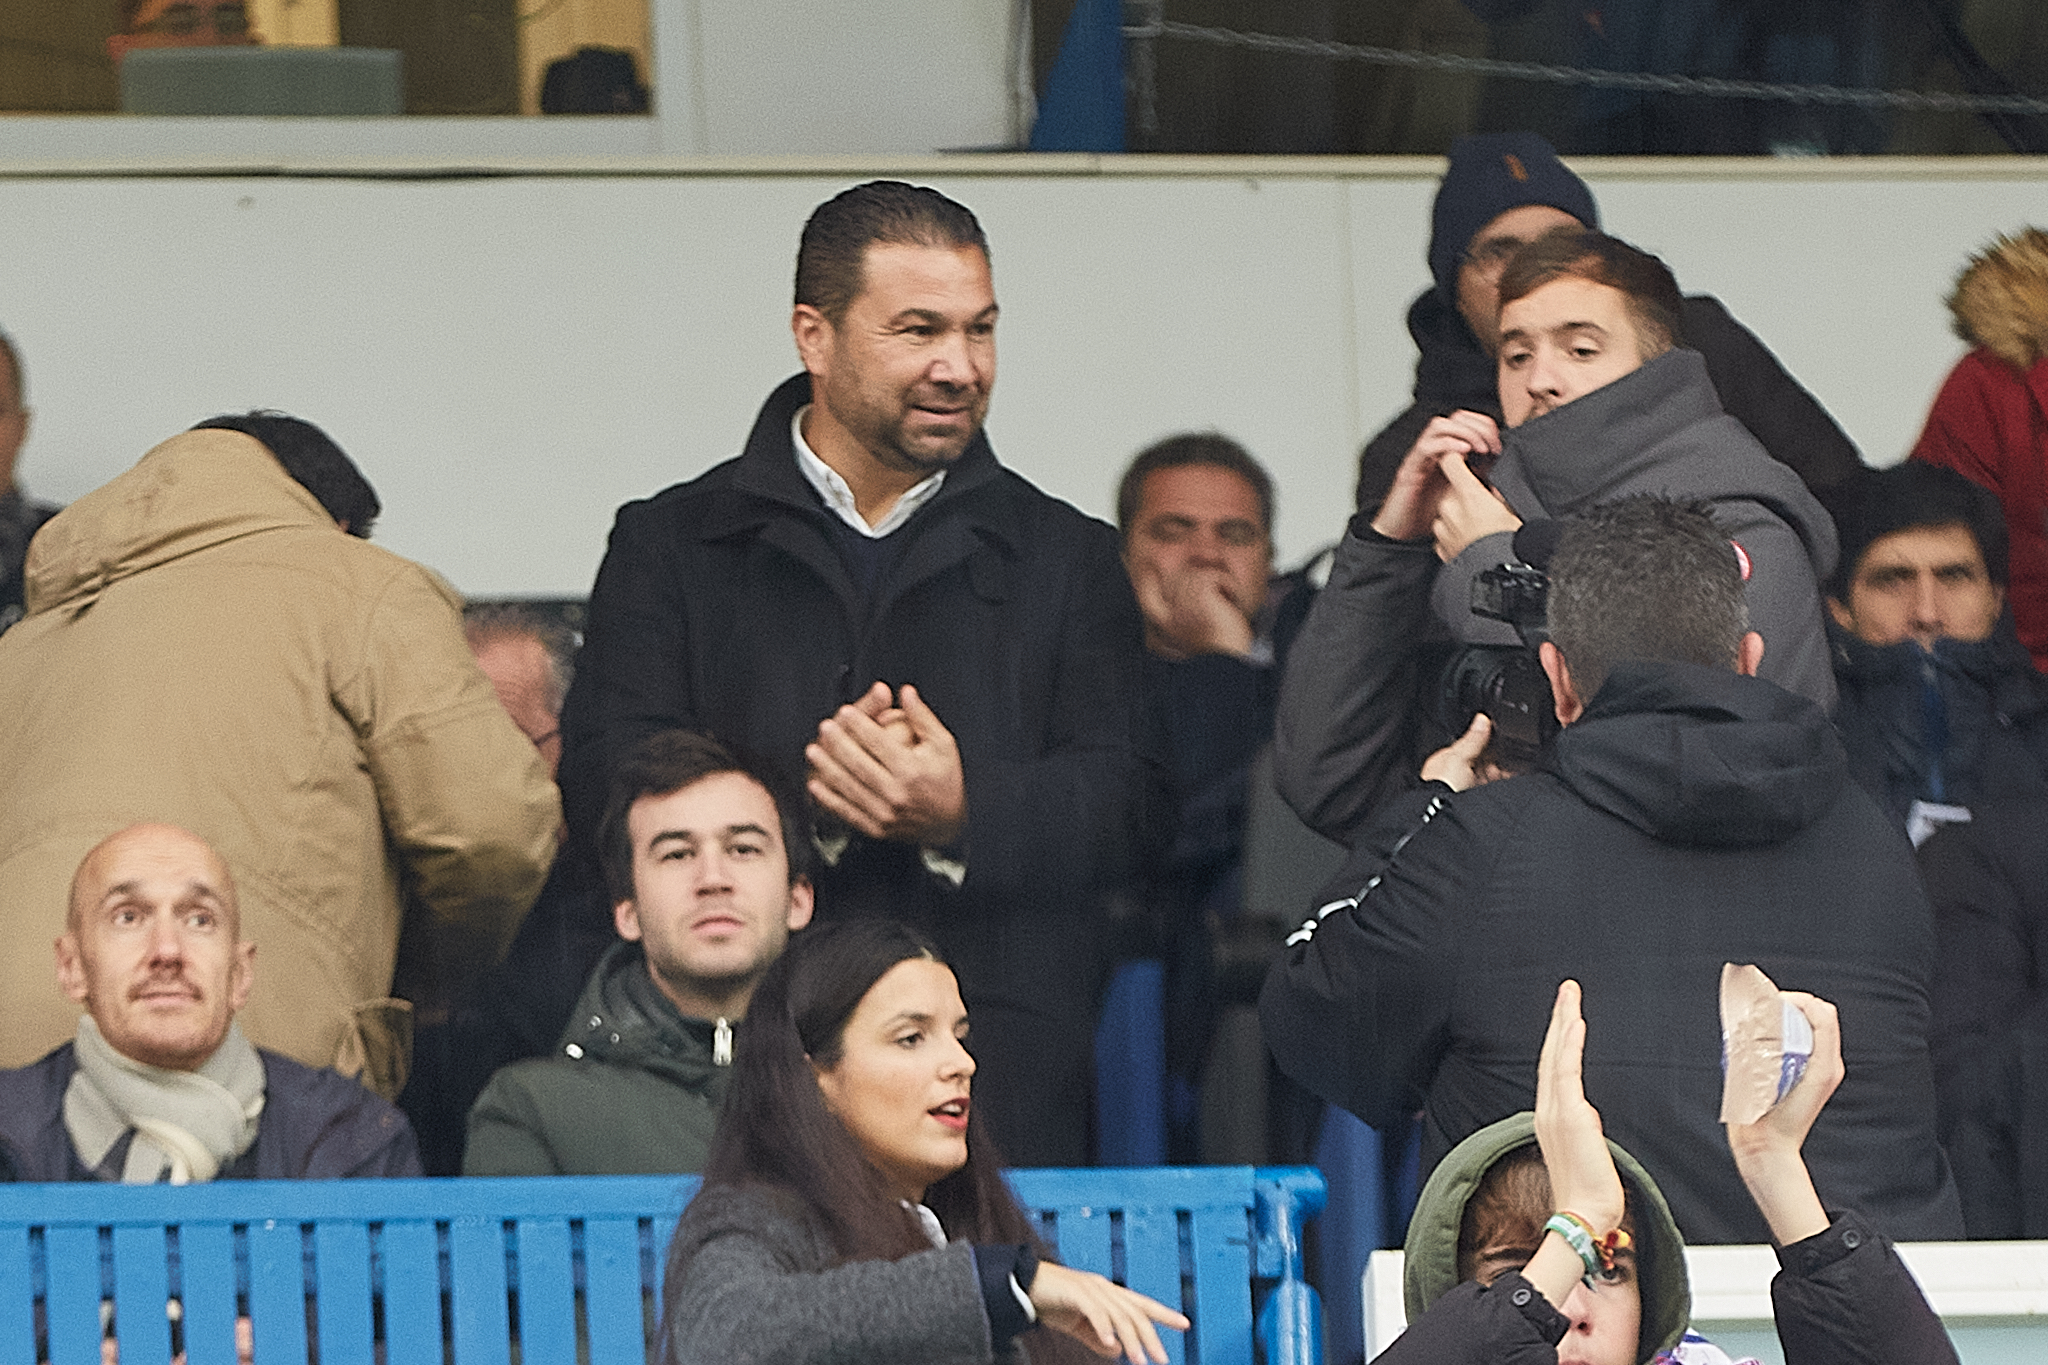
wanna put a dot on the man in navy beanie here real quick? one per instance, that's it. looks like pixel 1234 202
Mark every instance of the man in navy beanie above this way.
pixel 1501 190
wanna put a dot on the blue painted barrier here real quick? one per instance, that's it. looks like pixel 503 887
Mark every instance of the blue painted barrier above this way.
pixel 488 1271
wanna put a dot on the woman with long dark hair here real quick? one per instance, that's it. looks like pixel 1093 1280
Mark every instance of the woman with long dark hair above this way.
pixel 853 1209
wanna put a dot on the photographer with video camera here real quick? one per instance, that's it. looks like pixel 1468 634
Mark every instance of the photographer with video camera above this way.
pixel 1687 814
pixel 1601 400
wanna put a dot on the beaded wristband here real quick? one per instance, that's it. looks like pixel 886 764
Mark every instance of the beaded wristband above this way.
pixel 1597 1252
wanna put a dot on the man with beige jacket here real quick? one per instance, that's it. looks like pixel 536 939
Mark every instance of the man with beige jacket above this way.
pixel 210 642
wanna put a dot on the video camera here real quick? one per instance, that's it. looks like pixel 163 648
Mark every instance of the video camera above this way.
pixel 1506 683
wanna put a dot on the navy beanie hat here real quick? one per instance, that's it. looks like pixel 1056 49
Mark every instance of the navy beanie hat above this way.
pixel 1489 174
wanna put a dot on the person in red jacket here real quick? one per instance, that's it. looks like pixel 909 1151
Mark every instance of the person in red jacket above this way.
pixel 1990 420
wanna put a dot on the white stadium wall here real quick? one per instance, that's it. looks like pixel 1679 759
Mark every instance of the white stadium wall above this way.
pixel 510 356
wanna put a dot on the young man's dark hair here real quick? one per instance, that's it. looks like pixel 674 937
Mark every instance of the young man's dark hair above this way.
pixel 1569 252
pixel 1644 578
pixel 835 240
pixel 670 760
pixel 1211 448
pixel 312 458
pixel 1875 503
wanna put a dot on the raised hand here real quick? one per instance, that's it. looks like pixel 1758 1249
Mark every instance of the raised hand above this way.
pixel 1582 1174
pixel 1767 1152
pixel 1191 613
pixel 1411 506
pixel 1468 510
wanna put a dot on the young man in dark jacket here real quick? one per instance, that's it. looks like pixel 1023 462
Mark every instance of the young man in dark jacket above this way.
pixel 952 655
pixel 709 871
pixel 1939 705
pixel 1501 190
pixel 1688 814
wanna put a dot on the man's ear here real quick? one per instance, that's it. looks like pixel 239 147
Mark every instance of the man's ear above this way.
pixel 241 976
pixel 1569 707
pixel 813 333
pixel 1842 615
pixel 802 900
pixel 1749 655
pixel 71 975
pixel 626 919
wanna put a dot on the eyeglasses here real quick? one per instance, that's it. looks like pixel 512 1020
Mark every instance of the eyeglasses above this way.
pixel 1490 256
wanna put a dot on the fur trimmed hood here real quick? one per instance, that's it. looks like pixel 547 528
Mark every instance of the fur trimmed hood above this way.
pixel 2001 299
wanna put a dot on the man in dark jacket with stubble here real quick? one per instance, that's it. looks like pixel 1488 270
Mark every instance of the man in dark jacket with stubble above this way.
pixel 1688 815
pixel 953 656
pixel 1500 191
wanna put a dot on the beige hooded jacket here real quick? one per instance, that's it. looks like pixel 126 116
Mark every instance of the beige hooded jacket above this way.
pixel 204 646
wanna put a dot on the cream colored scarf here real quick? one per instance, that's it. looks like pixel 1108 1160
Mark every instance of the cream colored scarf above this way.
pixel 187 1124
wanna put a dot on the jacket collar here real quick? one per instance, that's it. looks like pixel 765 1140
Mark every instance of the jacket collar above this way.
pixel 1999 664
pixel 767 467
pixel 623 1018
pixel 1658 428
pixel 1571 453
pixel 1452 370
pixel 1701 757
pixel 968 511
pixel 195 491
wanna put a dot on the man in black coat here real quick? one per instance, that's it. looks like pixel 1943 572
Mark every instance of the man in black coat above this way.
pixel 1688 815
pixel 1989 887
pixel 1988 879
pixel 952 656
pixel 1937 701
pixel 1500 191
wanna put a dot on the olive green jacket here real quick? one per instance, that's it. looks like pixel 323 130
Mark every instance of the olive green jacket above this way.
pixel 633 1087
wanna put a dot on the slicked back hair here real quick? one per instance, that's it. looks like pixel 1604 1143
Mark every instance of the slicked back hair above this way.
pixel 668 761
pixel 312 458
pixel 1644 578
pixel 1645 283
pixel 832 254
pixel 1190 448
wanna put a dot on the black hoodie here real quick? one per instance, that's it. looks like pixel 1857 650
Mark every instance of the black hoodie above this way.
pixel 1691 817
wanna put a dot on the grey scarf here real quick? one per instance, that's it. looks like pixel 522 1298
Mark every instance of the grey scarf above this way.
pixel 187 1124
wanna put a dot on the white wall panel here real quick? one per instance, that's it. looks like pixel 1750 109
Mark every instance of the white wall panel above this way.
pixel 510 358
